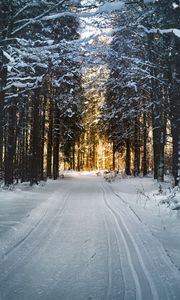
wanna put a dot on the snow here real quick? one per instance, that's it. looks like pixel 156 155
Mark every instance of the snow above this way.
pixel 109 7
pixel 175 31
pixel 175 5
pixel 158 210
pixel 84 238
pixel 149 1
pixel 9 57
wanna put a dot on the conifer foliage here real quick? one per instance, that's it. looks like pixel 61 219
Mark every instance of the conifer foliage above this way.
pixel 39 89
pixel 143 90
pixel 42 97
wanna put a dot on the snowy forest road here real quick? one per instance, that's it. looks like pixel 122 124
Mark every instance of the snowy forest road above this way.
pixel 84 242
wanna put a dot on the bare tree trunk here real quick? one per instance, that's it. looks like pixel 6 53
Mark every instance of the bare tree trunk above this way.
pixel 114 157
pixel 42 140
pixel 56 134
pixel 175 107
pixel 50 140
pixel 3 79
pixel 35 159
pixel 78 160
pixel 136 148
pixel 128 157
pixel 158 118
pixel 144 162
pixel 10 146
pixel 73 158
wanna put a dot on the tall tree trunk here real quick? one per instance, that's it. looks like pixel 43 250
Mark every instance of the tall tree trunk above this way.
pixel 73 158
pixel 56 158
pixel 3 80
pixel 78 159
pixel 27 156
pixel 19 146
pixel 128 157
pixel 50 139
pixel 10 145
pixel 159 131
pixel 158 118
pixel 56 134
pixel 175 105
pixel 23 152
pixel 114 156
pixel 35 159
pixel 93 154
pixel 176 152
pixel 144 162
pixel 1 132
pixel 136 148
pixel 42 140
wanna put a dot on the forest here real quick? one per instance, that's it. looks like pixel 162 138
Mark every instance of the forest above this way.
pixel 89 85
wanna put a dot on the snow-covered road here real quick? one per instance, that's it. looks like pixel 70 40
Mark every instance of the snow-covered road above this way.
pixel 84 242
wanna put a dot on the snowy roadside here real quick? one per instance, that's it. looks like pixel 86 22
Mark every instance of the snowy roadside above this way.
pixel 156 208
pixel 18 204
pixel 24 205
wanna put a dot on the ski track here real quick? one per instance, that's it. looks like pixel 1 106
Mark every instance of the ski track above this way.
pixel 115 246
pixel 109 259
pixel 164 257
pixel 134 273
pixel 31 243
pixel 124 274
pixel 148 277
pixel 165 272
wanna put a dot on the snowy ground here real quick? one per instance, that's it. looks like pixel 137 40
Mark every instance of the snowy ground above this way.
pixel 154 209
pixel 83 238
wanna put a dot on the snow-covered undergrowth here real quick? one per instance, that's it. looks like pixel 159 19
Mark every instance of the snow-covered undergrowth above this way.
pixel 157 206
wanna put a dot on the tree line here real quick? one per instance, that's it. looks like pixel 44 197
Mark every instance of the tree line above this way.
pixel 40 102
pixel 41 97
pixel 143 91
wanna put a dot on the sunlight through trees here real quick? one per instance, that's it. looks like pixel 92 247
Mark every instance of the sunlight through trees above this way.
pixel 89 85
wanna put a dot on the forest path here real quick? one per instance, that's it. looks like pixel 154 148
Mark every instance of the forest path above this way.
pixel 84 243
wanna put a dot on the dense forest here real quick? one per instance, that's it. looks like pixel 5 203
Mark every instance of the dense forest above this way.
pixel 65 96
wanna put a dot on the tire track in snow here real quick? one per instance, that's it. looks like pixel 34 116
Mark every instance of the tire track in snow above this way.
pixel 124 234
pixel 21 247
